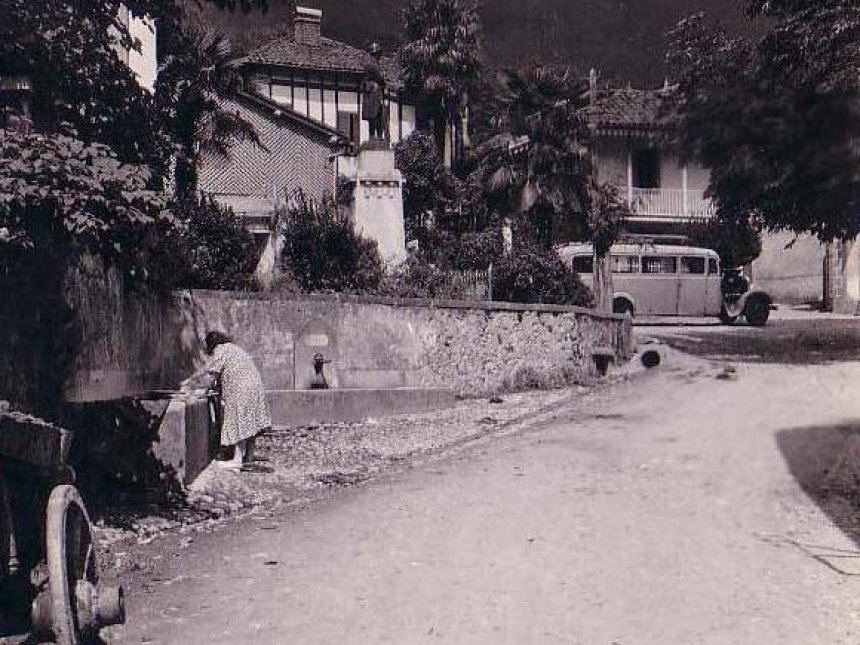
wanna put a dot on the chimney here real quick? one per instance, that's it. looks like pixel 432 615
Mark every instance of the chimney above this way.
pixel 308 23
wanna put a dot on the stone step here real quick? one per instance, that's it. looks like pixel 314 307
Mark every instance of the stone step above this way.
pixel 305 407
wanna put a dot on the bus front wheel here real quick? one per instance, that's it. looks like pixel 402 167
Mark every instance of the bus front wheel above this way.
pixel 757 311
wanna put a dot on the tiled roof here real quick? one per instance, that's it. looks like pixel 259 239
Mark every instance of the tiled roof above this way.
pixel 327 55
pixel 629 109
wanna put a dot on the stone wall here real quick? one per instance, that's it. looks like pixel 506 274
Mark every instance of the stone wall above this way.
pixel 790 268
pixel 472 348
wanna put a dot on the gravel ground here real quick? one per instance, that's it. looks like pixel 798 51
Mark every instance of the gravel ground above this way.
pixel 304 463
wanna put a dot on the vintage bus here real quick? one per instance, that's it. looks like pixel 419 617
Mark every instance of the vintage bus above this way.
pixel 666 280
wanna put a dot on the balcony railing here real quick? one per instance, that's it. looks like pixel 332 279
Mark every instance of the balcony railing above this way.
pixel 669 204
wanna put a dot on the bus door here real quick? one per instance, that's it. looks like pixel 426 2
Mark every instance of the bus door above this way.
pixel 626 277
pixel 659 284
pixel 714 297
pixel 692 286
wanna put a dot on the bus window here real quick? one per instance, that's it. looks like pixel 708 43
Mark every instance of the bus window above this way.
pixel 713 269
pixel 661 264
pixel 583 264
pixel 693 265
pixel 625 264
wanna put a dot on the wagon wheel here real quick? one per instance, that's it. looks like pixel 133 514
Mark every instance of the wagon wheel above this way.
pixel 71 558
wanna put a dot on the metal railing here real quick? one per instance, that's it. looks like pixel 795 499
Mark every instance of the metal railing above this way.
pixel 468 285
pixel 670 204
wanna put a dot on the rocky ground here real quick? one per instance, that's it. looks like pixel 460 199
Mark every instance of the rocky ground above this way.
pixel 310 462
pixel 301 464
pixel 709 501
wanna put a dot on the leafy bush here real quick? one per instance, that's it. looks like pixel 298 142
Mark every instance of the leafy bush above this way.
pixel 737 242
pixel 218 252
pixel 531 274
pixel 470 251
pixel 418 278
pixel 428 188
pixel 323 253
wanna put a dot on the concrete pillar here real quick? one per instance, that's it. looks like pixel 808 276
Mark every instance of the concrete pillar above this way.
pixel 378 201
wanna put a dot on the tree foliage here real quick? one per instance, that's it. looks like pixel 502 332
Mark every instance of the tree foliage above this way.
pixel 738 242
pixel 428 190
pixel 323 253
pixel 776 119
pixel 68 48
pixel 59 195
pixel 539 163
pixel 441 57
pixel 189 91
pixel 214 249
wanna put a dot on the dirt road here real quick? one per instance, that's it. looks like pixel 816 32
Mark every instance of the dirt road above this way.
pixel 692 505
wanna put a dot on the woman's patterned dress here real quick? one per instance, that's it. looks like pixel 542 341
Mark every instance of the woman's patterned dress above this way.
pixel 246 411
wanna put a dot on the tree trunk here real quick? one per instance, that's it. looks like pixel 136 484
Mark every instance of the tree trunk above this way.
pixel 603 289
pixel 440 134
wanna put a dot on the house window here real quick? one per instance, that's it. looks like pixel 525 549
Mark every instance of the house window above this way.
pixel 646 168
pixel 300 99
pixel 281 94
pixel 315 103
pixel 330 108
pixel 349 124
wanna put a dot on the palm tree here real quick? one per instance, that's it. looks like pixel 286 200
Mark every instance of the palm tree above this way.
pixel 192 84
pixel 539 165
pixel 440 62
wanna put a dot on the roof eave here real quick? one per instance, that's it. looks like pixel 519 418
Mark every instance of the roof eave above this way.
pixel 398 86
pixel 282 111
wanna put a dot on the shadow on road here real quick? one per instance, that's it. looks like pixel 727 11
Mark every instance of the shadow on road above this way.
pixel 825 462
pixel 790 342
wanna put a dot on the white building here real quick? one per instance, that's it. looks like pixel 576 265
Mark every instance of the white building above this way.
pixel 143 62
pixel 665 193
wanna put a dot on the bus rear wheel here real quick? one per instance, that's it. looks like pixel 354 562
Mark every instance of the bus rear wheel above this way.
pixel 622 306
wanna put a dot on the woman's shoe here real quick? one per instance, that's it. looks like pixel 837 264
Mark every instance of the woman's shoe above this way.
pixel 231 464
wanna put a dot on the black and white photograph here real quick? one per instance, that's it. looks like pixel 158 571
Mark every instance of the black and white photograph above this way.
pixel 480 322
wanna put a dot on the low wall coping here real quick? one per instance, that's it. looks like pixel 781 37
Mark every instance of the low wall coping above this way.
pixel 428 303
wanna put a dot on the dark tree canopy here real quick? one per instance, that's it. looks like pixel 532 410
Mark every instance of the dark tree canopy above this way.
pixel 777 119
pixel 441 58
pixel 538 164
pixel 68 48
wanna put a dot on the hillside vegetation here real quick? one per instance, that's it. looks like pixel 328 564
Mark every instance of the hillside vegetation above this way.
pixel 624 39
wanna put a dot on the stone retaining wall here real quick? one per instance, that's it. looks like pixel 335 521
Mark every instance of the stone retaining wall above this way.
pixel 472 348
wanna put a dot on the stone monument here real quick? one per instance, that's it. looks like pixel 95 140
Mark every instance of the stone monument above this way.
pixel 378 191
